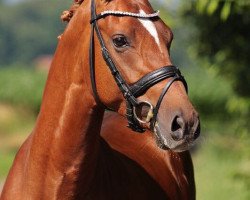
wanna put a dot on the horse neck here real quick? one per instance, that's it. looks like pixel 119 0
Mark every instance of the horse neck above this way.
pixel 65 140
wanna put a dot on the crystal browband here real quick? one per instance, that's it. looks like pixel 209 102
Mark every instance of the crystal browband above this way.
pixel 139 15
pixel 121 13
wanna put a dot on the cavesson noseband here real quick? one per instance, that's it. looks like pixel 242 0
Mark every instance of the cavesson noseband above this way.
pixel 131 92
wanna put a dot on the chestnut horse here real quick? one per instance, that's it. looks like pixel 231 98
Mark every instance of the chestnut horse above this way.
pixel 65 157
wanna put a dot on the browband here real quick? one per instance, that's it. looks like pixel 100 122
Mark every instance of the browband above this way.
pixel 124 13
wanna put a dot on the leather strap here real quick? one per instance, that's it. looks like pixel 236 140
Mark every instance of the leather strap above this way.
pixel 105 53
pixel 156 109
pixel 92 58
pixel 147 81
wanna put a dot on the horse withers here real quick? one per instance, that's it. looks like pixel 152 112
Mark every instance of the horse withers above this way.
pixel 113 54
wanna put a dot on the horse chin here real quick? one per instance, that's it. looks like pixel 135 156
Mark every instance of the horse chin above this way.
pixel 165 142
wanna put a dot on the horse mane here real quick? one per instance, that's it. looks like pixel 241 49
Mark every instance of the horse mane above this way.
pixel 68 14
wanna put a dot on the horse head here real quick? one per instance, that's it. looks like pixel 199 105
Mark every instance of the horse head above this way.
pixel 131 71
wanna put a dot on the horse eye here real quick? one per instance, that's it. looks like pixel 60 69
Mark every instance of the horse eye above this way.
pixel 120 41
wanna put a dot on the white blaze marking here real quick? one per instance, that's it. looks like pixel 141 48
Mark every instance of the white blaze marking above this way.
pixel 150 27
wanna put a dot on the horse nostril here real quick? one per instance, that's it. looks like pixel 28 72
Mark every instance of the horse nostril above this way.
pixel 177 128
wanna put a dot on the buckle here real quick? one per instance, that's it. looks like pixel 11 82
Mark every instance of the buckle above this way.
pixel 143 112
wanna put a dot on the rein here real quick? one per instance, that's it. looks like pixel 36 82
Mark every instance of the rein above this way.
pixel 131 92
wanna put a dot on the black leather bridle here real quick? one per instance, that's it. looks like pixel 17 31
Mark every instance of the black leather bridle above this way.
pixel 130 92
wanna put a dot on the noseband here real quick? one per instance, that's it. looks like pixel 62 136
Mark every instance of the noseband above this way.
pixel 131 92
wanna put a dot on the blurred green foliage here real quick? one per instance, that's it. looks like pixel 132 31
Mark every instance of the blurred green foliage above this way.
pixel 22 86
pixel 220 43
pixel 208 92
pixel 29 29
pixel 223 42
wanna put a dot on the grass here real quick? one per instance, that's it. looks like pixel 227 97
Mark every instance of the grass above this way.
pixel 215 176
pixel 6 160
pixel 222 166
pixel 15 124
pixel 20 97
pixel 21 86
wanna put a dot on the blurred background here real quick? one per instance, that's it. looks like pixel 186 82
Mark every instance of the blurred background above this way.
pixel 211 47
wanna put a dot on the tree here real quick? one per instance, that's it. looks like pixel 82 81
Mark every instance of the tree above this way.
pixel 223 38
pixel 221 42
pixel 29 29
